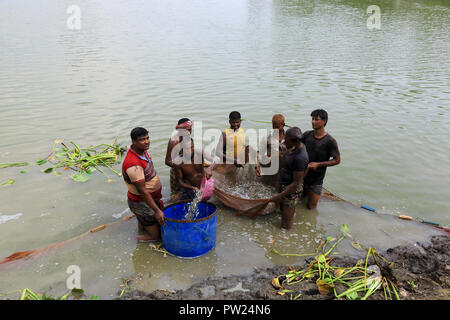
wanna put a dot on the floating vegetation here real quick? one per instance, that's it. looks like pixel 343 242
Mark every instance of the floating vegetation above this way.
pixel 15 164
pixel 159 247
pixel 360 281
pixel 84 161
pixel 9 182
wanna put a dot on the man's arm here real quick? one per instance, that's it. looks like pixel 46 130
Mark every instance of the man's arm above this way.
pixel 140 186
pixel 208 170
pixel 329 163
pixel 170 145
pixel 298 178
pixel 335 155
pixel 182 182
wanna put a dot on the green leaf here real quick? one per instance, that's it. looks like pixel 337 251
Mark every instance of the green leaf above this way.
pixel 356 245
pixel 321 258
pixel 48 170
pixel 345 230
pixel 64 297
pixel 41 161
pixel 23 171
pixel 9 182
pixel 80 177
pixel 90 170
pixel 352 295
pixel 94 297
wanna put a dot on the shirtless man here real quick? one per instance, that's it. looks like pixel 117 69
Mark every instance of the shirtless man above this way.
pixel 277 127
pixel 189 173
pixel 183 129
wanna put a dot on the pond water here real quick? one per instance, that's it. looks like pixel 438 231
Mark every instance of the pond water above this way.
pixel 149 63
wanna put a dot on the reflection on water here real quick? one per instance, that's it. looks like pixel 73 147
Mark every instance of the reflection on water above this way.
pixel 386 91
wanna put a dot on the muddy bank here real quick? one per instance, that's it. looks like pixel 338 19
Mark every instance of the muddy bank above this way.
pixel 420 271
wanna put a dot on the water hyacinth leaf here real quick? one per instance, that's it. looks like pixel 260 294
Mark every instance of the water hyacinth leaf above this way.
pixel 345 230
pixel 80 177
pixel 16 164
pixel 339 271
pixel 356 245
pixel 9 182
pixel 90 170
pixel 321 258
pixel 324 287
pixel 352 295
pixel 40 162
pixel 48 170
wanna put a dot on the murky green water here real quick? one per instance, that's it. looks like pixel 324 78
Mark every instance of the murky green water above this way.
pixel 149 63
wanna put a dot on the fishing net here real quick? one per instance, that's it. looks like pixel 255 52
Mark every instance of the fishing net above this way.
pixel 240 189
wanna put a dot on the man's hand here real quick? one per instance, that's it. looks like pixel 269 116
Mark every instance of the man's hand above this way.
pixel 258 171
pixel 313 165
pixel 160 217
pixel 208 173
pixel 275 198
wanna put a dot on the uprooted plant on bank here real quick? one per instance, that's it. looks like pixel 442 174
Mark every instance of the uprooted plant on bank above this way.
pixel 357 282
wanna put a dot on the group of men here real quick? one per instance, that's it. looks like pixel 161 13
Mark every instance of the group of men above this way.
pixel 304 160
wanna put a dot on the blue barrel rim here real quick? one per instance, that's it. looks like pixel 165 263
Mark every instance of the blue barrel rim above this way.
pixel 192 221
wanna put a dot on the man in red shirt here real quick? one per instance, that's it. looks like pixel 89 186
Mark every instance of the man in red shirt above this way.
pixel 144 186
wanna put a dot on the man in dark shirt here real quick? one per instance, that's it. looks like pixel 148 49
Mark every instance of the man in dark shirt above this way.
pixel 321 146
pixel 290 176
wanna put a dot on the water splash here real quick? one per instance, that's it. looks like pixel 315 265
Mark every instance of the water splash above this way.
pixel 193 206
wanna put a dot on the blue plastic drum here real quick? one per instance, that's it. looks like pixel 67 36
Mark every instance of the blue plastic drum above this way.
pixel 189 239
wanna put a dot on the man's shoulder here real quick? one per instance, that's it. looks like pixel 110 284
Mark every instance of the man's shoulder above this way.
pixel 331 138
pixel 307 134
pixel 131 159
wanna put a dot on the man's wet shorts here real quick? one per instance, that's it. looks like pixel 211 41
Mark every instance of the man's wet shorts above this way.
pixel 316 188
pixel 290 201
pixel 144 214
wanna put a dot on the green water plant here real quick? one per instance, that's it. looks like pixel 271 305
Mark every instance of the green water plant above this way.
pixel 28 294
pixel 83 161
pixel 13 164
pixel 360 280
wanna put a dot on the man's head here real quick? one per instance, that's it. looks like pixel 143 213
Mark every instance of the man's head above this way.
pixel 140 138
pixel 184 123
pixel 235 120
pixel 278 122
pixel 319 118
pixel 293 136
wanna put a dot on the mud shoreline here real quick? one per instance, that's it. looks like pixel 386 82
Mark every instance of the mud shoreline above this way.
pixel 420 270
